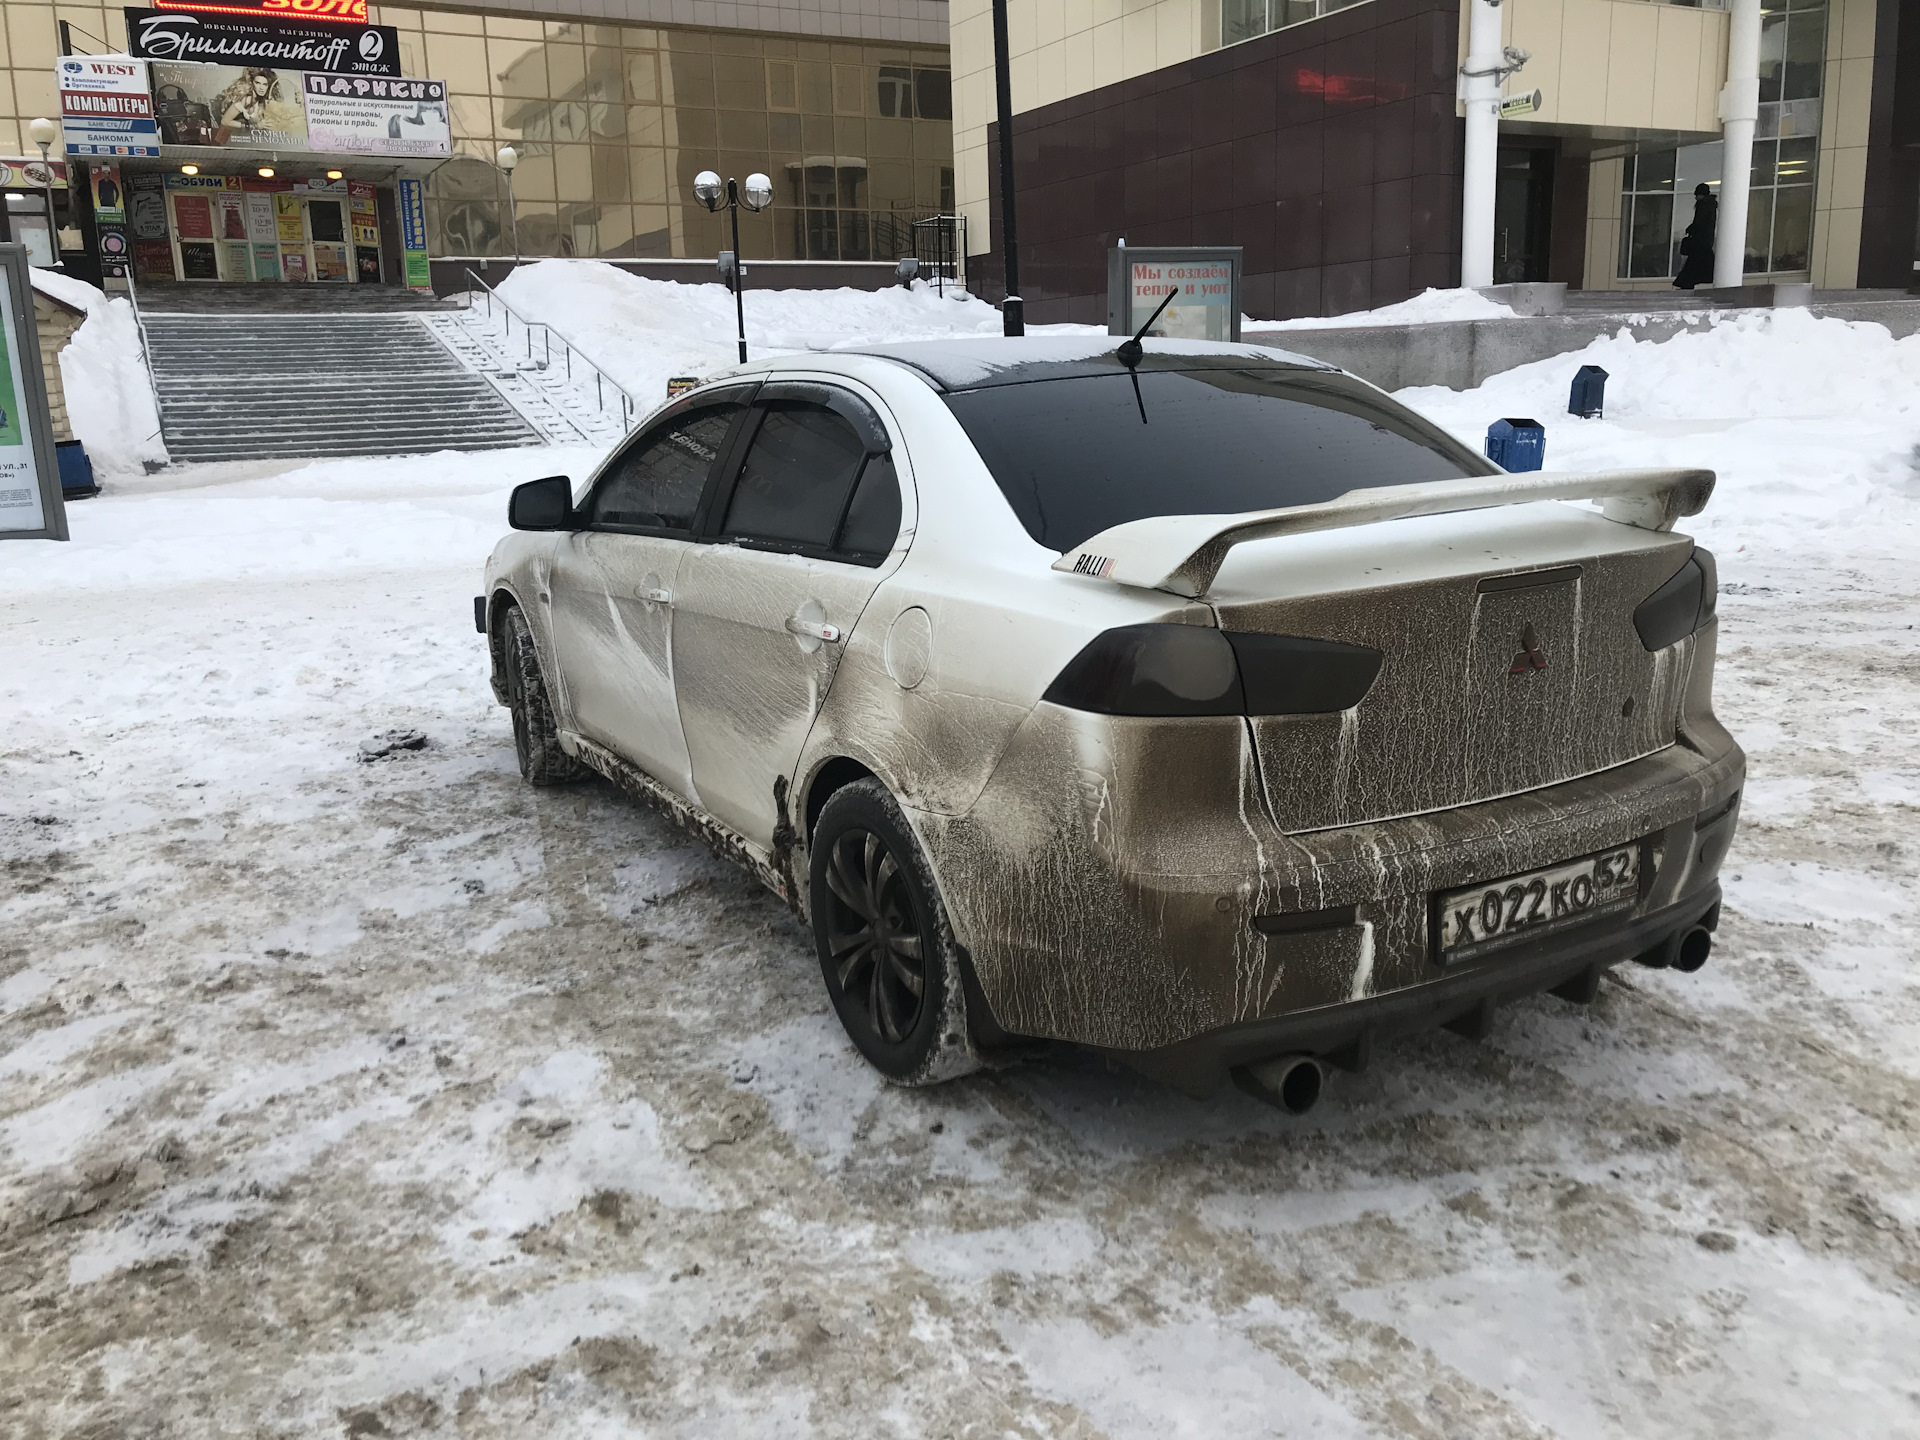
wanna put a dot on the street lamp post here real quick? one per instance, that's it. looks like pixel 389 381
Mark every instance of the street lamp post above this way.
pixel 44 132
pixel 508 158
pixel 756 195
pixel 1013 309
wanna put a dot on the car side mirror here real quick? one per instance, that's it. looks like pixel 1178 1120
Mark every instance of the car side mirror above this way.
pixel 545 504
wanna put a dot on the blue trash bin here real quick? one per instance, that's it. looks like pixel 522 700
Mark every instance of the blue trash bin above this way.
pixel 76 470
pixel 1517 444
pixel 1588 398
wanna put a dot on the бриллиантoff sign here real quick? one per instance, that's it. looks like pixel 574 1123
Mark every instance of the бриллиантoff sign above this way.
pixel 1204 282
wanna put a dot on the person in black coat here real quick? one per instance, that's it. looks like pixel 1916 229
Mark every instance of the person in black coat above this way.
pixel 1696 246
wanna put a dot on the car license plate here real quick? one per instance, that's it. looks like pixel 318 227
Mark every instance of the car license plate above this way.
pixel 1485 917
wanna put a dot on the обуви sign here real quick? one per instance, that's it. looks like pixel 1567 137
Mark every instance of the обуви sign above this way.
pixel 264 39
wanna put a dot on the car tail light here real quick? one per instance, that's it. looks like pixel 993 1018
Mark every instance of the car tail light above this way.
pixel 1196 670
pixel 1682 605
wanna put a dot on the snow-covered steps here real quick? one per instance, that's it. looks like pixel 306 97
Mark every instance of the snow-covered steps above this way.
pixel 558 392
pixel 246 386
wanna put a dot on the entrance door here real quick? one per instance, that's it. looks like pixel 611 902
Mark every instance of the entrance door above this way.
pixel 614 583
pixel 760 618
pixel 326 223
pixel 1522 214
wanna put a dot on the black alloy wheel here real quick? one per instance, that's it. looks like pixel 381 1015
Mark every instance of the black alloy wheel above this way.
pixel 887 952
pixel 874 937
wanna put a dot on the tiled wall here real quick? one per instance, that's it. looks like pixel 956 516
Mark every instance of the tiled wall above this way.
pixel 1328 151
pixel 1846 103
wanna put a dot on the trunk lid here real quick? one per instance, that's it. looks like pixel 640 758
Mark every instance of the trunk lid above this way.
pixel 1511 661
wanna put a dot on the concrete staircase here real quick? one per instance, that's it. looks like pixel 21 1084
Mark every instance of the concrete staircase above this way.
pixel 561 394
pixel 236 386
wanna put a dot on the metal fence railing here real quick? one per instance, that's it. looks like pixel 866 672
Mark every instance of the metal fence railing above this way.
pixel 629 407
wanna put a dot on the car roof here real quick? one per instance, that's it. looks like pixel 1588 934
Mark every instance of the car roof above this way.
pixel 972 364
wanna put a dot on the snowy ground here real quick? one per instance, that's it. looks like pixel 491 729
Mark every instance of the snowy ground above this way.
pixel 391 1097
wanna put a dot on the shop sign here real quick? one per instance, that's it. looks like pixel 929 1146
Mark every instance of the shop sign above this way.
pixel 31 507
pixel 250 107
pixel 202 182
pixel 346 12
pixel 105 107
pixel 263 40
pixel 367 115
pixel 413 233
pixel 24 174
pixel 1204 283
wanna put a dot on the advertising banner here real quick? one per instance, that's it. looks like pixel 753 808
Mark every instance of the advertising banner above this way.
pixel 260 226
pixel 413 233
pixel 147 208
pixel 105 107
pixel 368 115
pixel 33 174
pixel 113 248
pixel 250 108
pixel 263 39
pixel 266 262
pixel 193 217
pixel 31 507
pixel 153 259
pixel 230 215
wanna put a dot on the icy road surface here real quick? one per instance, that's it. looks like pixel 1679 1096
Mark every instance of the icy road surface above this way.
pixel 388 1096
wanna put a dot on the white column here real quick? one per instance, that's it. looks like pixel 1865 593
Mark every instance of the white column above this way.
pixel 1739 108
pixel 1480 88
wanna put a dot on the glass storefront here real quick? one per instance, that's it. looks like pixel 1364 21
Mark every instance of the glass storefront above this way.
pixel 1656 201
pixel 611 124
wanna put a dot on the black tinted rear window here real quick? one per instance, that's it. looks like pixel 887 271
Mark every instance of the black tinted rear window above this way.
pixel 1073 456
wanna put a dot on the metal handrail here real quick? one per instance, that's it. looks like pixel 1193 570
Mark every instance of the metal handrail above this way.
pixel 630 406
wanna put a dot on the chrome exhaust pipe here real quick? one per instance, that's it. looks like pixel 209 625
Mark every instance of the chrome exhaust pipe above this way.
pixel 1288 1082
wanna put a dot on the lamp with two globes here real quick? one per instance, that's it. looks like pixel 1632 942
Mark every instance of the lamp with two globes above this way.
pixel 756 195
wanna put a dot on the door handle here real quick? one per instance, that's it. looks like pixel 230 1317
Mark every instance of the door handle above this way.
pixel 657 594
pixel 818 629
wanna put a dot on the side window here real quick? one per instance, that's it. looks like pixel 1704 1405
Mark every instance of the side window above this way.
pixel 657 482
pixel 793 487
pixel 873 519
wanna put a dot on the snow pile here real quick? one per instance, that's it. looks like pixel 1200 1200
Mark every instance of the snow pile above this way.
pixel 1811 424
pixel 1428 308
pixel 110 401
pixel 643 331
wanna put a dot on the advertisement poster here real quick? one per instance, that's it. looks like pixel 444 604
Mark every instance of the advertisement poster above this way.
pixel 367 260
pixel 367 115
pixel 413 233
pixel 330 262
pixel 260 226
pixel 366 219
pixel 237 268
pixel 254 107
pixel 230 211
pixel 147 209
pixel 293 265
pixel 277 40
pixel 113 248
pixel 286 210
pixel 153 259
pixel 193 217
pixel 1202 307
pixel 266 262
pixel 21 505
pixel 21 174
pixel 109 202
pixel 199 261
pixel 105 107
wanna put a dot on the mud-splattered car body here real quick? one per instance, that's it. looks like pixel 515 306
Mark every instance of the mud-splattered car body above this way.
pixel 1197 892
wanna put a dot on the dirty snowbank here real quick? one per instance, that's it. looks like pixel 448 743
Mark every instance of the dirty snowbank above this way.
pixel 110 401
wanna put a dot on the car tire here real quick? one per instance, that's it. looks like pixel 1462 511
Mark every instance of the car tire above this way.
pixel 536 739
pixel 868 874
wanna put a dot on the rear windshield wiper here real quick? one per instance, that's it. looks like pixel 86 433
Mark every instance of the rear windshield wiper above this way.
pixel 1131 352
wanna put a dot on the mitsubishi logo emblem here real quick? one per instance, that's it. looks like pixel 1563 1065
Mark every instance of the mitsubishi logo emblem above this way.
pixel 1531 656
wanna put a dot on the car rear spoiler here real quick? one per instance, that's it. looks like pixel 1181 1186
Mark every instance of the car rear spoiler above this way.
pixel 1183 553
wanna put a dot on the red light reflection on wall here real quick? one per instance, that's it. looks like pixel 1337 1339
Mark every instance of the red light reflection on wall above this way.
pixel 1349 89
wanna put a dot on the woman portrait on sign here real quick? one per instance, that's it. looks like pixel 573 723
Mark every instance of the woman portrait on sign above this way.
pixel 255 105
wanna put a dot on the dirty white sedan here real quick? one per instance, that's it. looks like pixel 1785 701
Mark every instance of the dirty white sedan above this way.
pixel 1214 710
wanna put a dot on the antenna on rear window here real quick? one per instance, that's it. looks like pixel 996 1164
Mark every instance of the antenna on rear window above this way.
pixel 1131 352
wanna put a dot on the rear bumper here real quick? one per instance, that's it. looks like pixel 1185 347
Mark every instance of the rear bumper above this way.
pixel 1345 1035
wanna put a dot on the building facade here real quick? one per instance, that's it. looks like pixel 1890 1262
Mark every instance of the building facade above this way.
pixel 611 108
pixel 1325 140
